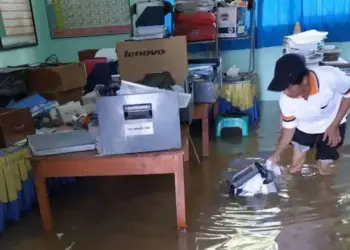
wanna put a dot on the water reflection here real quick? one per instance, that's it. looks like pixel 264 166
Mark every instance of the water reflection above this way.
pixel 310 212
pixel 240 223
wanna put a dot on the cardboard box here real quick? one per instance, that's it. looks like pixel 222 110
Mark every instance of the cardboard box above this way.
pixel 63 97
pixel 138 58
pixel 52 79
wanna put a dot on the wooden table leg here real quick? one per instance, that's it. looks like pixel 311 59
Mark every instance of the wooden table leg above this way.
pixel 43 200
pixel 205 136
pixel 216 110
pixel 187 151
pixel 180 193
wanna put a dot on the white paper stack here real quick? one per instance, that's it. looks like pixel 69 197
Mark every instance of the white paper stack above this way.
pixel 308 44
pixel 149 32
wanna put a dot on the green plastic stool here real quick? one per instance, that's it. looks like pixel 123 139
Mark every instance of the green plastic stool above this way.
pixel 227 121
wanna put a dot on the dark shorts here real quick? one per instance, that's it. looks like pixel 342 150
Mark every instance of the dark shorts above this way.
pixel 323 151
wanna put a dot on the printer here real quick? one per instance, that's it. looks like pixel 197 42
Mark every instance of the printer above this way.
pixel 138 123
pixel 149 18
pixel 206 77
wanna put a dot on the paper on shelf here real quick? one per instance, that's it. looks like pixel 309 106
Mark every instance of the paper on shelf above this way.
pixel 308 44
pixel 340 61
pixel 310 36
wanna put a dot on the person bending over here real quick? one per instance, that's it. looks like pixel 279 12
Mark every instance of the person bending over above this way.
pixel 314 104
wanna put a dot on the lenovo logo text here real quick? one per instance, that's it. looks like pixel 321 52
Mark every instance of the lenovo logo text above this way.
pixel 155 52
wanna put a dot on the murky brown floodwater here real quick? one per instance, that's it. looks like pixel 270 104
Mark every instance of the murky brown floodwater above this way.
pixel 138 212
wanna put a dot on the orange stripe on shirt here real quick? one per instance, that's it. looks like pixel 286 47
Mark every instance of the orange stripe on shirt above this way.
pixel 288 118
pixel 313 81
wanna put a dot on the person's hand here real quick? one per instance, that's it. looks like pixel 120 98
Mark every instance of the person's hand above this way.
pixel 275 158
pixel 333 135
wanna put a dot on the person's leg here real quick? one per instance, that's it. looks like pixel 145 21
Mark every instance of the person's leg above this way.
pixel 301 142
pixel 298 159
pixel 326 155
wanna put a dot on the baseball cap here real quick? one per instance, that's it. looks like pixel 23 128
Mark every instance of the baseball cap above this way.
pixel 289 68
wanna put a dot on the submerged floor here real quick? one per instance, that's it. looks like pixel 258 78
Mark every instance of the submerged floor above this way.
pixel 138 212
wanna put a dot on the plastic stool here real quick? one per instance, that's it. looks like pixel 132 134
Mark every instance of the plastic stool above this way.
pixel 232 121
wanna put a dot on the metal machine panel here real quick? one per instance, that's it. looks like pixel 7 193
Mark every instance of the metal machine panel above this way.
pixel 139 123
pixel 186 114
pixel 207 80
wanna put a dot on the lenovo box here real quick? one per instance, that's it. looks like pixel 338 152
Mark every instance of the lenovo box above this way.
pixel 138 58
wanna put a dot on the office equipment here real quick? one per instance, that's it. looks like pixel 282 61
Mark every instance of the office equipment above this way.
pixel 232 19
pixel 227 21
pixel 139 122
pixel 149 18
pixel 255 179
pixel 60 143
pixel 206 75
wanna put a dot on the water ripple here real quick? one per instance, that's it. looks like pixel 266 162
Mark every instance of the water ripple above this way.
pixel 308 208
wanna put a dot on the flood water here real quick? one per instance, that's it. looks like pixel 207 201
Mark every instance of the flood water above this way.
pixel 310 212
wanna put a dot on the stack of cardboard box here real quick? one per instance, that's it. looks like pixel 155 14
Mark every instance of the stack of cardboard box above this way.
pixel 63 83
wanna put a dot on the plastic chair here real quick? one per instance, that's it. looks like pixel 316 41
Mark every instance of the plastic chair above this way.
pixel 232 121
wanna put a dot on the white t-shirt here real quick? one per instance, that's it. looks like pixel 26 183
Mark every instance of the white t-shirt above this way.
pixel 313 116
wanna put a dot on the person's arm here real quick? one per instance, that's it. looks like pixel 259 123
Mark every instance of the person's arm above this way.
pixel 342 112
pixel 289 123
pixel 284 140
pixel 341 85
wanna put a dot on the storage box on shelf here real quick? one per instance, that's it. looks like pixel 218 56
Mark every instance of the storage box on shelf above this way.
pixel 196 26
pixel 233 25
pixel 197 21
pixel 232 20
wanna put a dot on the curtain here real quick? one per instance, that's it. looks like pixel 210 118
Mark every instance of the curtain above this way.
pixel 331 16
pixel 275 19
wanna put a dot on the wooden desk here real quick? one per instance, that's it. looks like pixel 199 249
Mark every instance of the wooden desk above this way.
pixel 201 112
pixel 85 164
